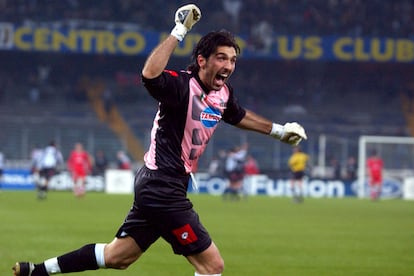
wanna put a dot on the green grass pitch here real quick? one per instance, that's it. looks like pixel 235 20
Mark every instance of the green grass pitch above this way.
pixel 257 236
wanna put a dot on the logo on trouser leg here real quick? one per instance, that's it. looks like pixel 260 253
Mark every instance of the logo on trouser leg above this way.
pixel 185 234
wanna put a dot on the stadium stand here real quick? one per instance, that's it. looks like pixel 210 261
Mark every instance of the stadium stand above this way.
pixel 40 95
pixel 321 17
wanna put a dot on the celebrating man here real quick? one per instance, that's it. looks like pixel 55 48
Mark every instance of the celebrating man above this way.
pixel 191 103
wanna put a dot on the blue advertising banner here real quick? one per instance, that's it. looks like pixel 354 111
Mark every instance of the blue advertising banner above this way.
pixel 17 179
pixel 20 179
pixel 263 185
pixel 316 188
pixel 126 42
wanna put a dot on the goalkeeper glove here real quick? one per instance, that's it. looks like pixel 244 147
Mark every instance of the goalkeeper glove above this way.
pixel 185 18
pixel 290 133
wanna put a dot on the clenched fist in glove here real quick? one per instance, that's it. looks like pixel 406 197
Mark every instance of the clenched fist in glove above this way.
pixel 185 18
pixel 290 133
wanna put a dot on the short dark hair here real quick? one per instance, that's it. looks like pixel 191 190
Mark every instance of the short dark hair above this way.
pixel 209 43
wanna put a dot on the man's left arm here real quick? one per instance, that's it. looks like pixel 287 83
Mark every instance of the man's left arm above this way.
pixel 255 122
pixel 290 133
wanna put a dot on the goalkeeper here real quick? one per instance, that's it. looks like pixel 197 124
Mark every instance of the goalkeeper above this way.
pixel 191 103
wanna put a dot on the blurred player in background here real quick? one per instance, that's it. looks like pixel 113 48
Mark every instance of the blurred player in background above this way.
pixel 298 163
pixel 375 166
pixel 351 168
pixel 79 165
pixel 217 164
pixel 235 172
pixel 191 103
pixel 122 160
pixel 35 157
pixel 50 161
pixel 100 163
pixel 251 167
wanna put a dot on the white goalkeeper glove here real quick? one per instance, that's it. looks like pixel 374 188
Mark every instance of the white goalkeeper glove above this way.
pixel 290 133
pixel 185 18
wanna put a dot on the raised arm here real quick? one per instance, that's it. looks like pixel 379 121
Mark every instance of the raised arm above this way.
pixel 185 18
pixel 158 59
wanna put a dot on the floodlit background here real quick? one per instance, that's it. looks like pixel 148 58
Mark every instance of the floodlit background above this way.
pixel 341 68
pixel 70 72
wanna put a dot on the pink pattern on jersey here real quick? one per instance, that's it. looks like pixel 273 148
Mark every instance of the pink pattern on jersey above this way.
pixel 204 113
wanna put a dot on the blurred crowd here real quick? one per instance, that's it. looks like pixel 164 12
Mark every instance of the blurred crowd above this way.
pixel 313 17
pixel 318 94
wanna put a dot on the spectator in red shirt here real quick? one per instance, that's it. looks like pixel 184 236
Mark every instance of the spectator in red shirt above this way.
pixel 79 164
pixel 375 166
pixel 250 166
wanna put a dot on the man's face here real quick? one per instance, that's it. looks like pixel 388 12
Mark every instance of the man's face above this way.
pixel 217 68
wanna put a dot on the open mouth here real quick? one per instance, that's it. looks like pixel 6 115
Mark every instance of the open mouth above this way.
pixel 220 79
pixel 222 76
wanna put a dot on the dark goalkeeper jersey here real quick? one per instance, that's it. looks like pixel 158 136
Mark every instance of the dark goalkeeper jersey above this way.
pixel 187 117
